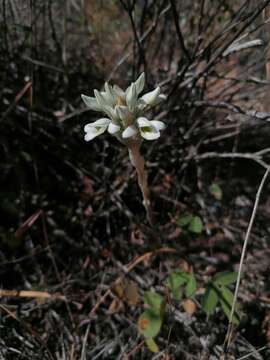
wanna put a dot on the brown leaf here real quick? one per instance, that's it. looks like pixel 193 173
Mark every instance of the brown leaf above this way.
pixel 116 306
pixel 184 266
pixel 189 306
pixel 119 289
pixel 128 291
pixel 131 293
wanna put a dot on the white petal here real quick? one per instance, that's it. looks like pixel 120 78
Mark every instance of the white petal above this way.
pixel 147 129
pixel 122 112
pixel 91 134
pixel 96 128
pixel 143 121
pixel 91 102
pixel 151 97
pixel 103 122
pixel 159 125
pixel 150 135
pixel 139 83
pixel 162 97
pixel 131 97
pixel 159 99
pixel 119 91
pixel 129 131
pixel 141 105
pixel 100 99
pixel 113 128
pixel 108 110
pixel 109 95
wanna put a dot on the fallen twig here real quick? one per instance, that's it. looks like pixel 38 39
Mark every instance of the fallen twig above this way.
pixel 228 338
pixel 31 294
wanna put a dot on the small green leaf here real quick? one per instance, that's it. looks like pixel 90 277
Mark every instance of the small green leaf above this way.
pixel 26 156
pixel 191 286
pixel 196 225
pixel 226 300
pixel 177 294
pixel 155 301
pixel 225 278
pixel 152 345
pixel 149 324
pixel 216 191
pixel 176 279
pixel 210 300
pixel 184 220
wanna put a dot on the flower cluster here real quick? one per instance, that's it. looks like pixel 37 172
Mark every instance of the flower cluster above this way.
pixel 124 110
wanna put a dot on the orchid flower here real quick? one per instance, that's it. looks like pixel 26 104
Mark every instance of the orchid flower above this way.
pixel 124 110
pixel 124 119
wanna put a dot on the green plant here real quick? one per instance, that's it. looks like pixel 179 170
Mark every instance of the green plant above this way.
pixel 151 319
pixel 180 282
pixel 191 223
pixel 217 291
pixel 216 191
pixel 184 284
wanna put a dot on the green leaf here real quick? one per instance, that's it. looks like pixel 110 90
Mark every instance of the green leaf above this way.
pixel 225 278
pixel 191 286
pixel 156 302
pixel 149 324
pixel 196 225
pixel 216 191
pixel 177 294
pixel 210 300
pixel 226 300
pixel 26 156
pixel 176 279
pixel 184 220
pixel 152 345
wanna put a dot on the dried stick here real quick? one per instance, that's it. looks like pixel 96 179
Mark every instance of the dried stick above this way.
pixel 243 254
pixel 31 294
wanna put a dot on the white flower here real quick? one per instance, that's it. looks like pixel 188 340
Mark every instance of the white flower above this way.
pixel 113 128
pixel 96 128
pixel 149 130
pixel 91 102
pixel 124 110
pixel 129 132
pixel 151 97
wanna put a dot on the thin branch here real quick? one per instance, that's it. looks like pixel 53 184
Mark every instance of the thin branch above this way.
pixel 211 155
pixel 179 32
pixel 265 116
pixel 228 339
pixel 218 54
pixel 256 351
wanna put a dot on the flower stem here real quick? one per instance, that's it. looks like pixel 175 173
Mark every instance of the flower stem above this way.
pixel 138 162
